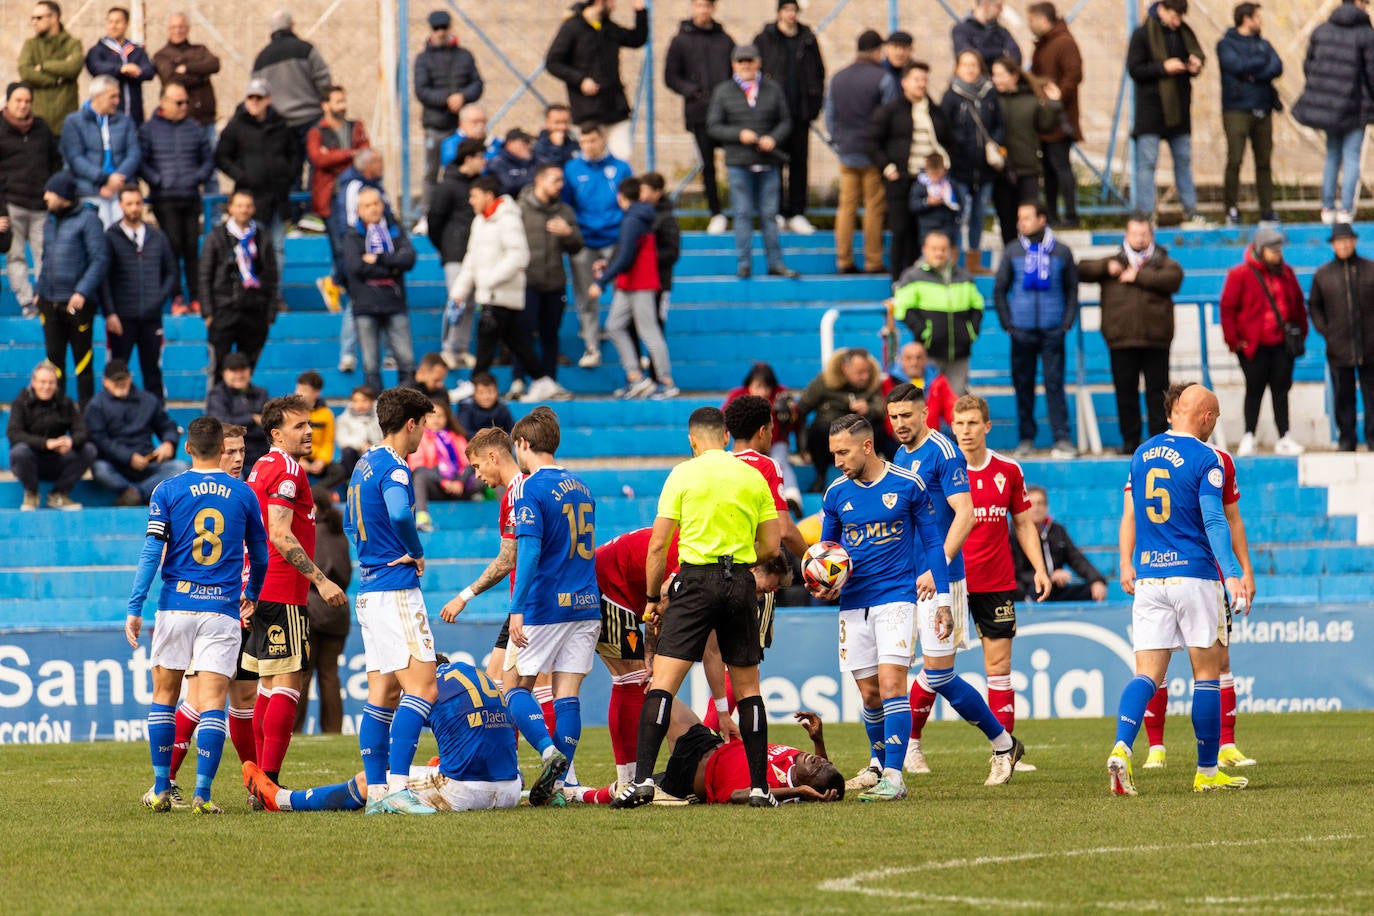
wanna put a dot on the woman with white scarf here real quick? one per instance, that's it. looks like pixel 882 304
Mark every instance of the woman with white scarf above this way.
pixel 974 115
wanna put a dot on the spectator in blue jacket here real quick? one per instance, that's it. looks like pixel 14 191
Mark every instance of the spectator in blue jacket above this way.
pixel 377 254
pixel 982 32
pixel 514 165
pixel 75 258
pixel 484 406
pixel 1249 65
pixel 140 281
pixel 589 185
pixel 366 172
pixel 117 57
pixel 1036 293
pixel 472 122
pixel 134 436
pixel 177 161
pixel 100 146
pixel 556 142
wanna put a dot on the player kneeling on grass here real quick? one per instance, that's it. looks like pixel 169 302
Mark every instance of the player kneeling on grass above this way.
pixel 198 524
pixel 703 766
pixel 478 767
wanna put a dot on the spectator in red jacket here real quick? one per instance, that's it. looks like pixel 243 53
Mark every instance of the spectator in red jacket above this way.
pixel 914 365
pixel 762 381
pixel 1264 321
pixel 330 146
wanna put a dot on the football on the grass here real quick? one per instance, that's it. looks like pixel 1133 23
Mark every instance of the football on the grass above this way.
pixel 826 565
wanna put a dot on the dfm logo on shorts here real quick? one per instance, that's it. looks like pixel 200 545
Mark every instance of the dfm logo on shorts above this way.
pixel 875 533
pixel 276 640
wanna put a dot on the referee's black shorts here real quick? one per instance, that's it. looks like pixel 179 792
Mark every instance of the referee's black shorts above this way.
pixel 703 599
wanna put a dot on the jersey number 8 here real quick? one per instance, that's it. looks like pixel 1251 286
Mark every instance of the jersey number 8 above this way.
pixel 208 536
pixel 1154 491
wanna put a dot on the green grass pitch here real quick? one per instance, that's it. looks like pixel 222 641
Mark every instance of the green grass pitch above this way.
pixel 75 839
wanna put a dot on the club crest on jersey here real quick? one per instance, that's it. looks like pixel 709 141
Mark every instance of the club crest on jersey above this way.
pixel 1001 480
pixel 889 499
pixel 960 475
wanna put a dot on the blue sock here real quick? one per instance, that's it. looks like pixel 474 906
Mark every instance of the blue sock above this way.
pixel 529 718
pixel 210 735
pixel 1130 712
pixel 162 734
pixel 374 740
pixel 896 729
pixel 873 725
pixel 410 718
pixel 967 702
pixel 1207 721
pixel 568 725
pixel 342 796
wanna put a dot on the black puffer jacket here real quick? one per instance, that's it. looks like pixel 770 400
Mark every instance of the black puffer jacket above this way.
pixel 580 51
pixel 33 422
pixel 1339 95
pixel 139 281
pixel 378 288
pixel 450 215
pixel 964 106
pixel 698 61
pixel 261 157
pixel 1342 308
pixel 439 73
pixel 27 161
pixel 802 79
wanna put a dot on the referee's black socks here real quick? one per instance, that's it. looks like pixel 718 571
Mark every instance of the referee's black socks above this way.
pixel 653 728
pixel 753 728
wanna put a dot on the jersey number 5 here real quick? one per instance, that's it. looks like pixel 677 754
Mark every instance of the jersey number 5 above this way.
pixel 1153 491
pixel 207 546
pixel 581 538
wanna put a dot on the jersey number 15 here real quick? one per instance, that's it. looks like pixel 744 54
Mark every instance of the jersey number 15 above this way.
pixel 581 537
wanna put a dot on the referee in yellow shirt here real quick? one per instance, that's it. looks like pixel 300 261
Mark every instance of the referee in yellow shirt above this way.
pixel 726 522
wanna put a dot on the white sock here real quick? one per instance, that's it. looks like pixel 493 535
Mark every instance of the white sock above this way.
pixel 1002 743
pixel 892 775
pixel 396 782
pixel 570 778
pixel 624 773
pixel 875 763
pixel 283 799
pixel 549 751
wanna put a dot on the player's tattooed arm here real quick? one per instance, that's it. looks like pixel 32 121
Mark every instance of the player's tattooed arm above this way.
pixel 498 568
pixel 279 532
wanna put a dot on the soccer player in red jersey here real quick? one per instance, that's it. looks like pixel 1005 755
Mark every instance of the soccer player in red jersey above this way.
pixel 278 644
pixel 998 489
pixel 1228 755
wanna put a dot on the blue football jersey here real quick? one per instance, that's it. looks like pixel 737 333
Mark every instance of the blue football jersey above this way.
pixel 889 528
pixel 558 509
pixel 204 517
pixel 368 523
pixel 472 726
pixel 944 471
pixel 1169 474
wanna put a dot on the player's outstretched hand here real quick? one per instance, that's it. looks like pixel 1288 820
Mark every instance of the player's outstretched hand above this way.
pixel 925 585
pixel 331 593
pixel 246 608
pixel 809 721
pixel 1240 603
pixel 1043 585
pixel 453 609
pixel 406 559
pixel 132 627
pixel 1128 578
pixel 728 729
pixel 811 793
pixel 517 631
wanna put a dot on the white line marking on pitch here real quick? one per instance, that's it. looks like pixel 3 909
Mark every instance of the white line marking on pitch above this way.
pixel 860 882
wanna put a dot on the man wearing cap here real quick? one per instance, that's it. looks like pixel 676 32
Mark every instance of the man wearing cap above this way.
pixel 446 79
pixel 296 71
pixel 135 438
pixel 259 154
pixel 698 60
pixel 1342 307
pixel 1264 322
pixel 855 93
pixel 585 55
pixel 75 259
pixel 896 55
pixel 748 116
pixel 791 56
pixel 513 166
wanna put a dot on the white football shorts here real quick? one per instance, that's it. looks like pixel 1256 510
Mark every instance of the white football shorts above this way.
pixel 1178 612
pixel 444 794
pixel 210 640
pixel 395 629
pixel 569 647
pixel 879 635
pixel 963 637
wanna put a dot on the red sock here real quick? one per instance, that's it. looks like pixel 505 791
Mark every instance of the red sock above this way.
pixel 544 697
pixel 627 701
pixel 241 734
pixel 922 700
pixel 187 719
pixel 259 719
pixel 277 726
pixel 1154 716
pixel 712 718
pixel 1002 700
pixel 1228 709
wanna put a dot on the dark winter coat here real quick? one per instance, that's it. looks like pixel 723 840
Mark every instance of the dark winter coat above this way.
pixel 222 293
pixel 139 283
pixel 33 422
pixel 964 107
pixel 1148 74
pixel 238 406
pixel 667 241
pixel 177 157
pixel 1141 313
pixel 1026 117
pixel 889 133
pixel 103 60
pixel 802 78
pixel 580 51
pixel 1249 65
pixel 514 173
pixel 855 93
pixel 545 271
pixel 546 151
pixel 84 151
pixel 377 289
pixel 730 113
pixel 298 75
pixel 450 215
pixel 698 61
pixel 27 161
pixel 1021 309
pixel 440 71
pixel 123 427
pixel 472 418
pixel 1056 58
pixel 200 65
pixel 1339 67
pixel 1063 552
pixel 260 157
pixel 1342 307
pixel 75 256
pixel 990 39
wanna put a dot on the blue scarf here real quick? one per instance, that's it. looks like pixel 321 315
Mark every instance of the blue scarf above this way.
pixel 1037 262
pixel 377 238
pixel 245 253
pixel 107 163
pixel 751 89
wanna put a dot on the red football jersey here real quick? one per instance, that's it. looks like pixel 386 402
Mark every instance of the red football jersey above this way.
pixel 768 467
pixel 506 522
pixel 279 480
pixel 999 491
pixel 620 568
pixel 728 770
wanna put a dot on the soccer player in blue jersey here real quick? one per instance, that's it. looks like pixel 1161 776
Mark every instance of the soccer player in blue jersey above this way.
pixel 555 610
pixel 478 767
pixel 943 469
pixel 1183 547
pixel 397 643
pixel 198 524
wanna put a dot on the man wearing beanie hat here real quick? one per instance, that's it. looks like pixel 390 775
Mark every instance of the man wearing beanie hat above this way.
pixel 792 58
pixel 446 79
pixel 855 93
pixel 75 259
pixel 1264 322
pixel 1342 307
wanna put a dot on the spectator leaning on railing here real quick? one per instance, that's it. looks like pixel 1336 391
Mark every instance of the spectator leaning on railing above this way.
pixel 48 440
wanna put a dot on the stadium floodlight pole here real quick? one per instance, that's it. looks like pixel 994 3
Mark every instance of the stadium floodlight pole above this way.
pixel 402 105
